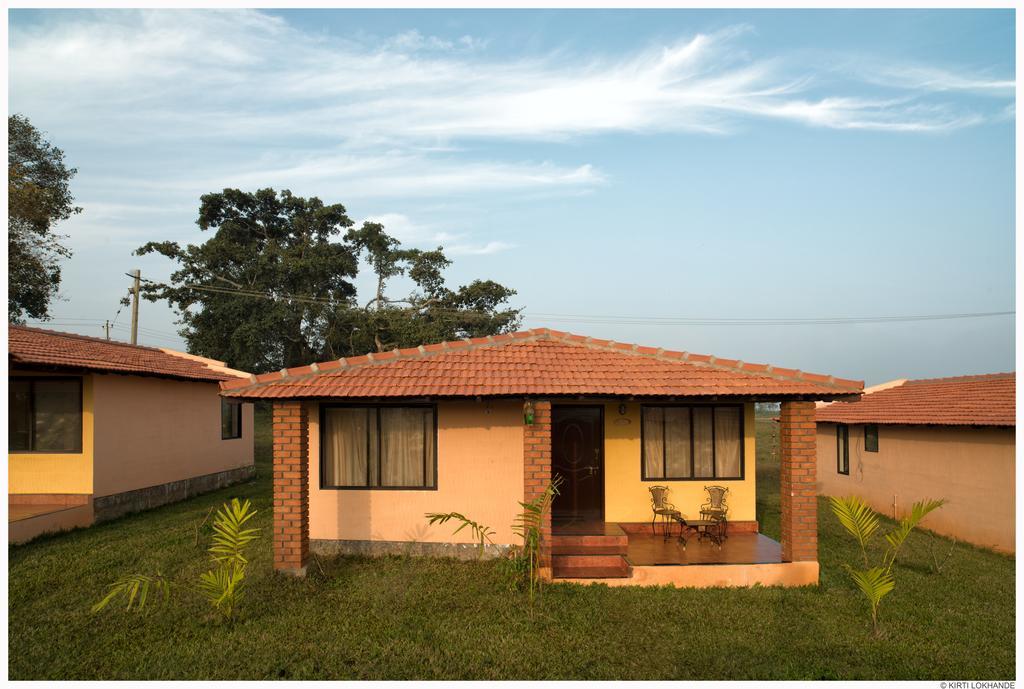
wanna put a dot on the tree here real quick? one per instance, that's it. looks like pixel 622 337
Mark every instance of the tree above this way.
pixel 38 197
pixel 273 288
pixel 258 293
pixel 431 313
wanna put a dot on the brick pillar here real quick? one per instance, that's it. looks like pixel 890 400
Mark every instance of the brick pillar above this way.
pixel 797 475
pixel 291 487
pixel 537 471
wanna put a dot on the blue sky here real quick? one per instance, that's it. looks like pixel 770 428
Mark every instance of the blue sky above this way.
pixel 683 163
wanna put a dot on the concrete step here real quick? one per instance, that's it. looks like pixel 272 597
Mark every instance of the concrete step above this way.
pixel 622 549
pixel 584 542
pixel 621 571
pixel 586 560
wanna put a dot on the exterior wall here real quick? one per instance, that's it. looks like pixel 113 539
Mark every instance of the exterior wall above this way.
pixel 152 431
pixel 627 498
pixel 972 468
pixel 798 505
pixel 786 574
pixel 480 473
pixel 291 487
pixel 537 475
pixel 63 473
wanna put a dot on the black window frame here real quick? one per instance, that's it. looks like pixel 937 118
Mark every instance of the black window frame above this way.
pixel 32 411
pixel 842 448
pixel 224 403
pixel 714 457
pixel 375 406
pixel 868 447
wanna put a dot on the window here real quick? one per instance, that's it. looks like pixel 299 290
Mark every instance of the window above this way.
pixel 691 443
pixel 378 447
pixel 45 415
pixel 230 420
pixel 871 438
pixel 843 449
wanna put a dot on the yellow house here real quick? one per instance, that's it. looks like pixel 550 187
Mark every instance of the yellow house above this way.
pixel 911 440
pixel 365 447
pixel 99 428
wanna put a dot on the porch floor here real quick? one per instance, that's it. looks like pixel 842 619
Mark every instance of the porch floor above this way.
pixel 17 512
pixel 737 549
pixel 647 549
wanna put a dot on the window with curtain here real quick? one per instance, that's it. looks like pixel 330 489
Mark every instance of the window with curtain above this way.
pixel 378 447
pixel 692 442
pixel 871 438
pixel 44 415
pixel 843 449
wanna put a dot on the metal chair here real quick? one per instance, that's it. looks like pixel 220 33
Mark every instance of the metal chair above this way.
pixel 716 508
pixel 661 507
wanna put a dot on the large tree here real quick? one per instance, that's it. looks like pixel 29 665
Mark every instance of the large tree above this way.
pixel 38 197
pixel 273 286
pixel 257 293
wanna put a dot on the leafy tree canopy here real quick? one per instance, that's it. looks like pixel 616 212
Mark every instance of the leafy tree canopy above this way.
pixel 273 287
pixel 38 197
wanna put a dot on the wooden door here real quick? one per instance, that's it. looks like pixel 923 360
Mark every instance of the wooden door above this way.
pixel 577 456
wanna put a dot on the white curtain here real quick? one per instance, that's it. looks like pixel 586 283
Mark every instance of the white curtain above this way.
pixel 703 450
pixel 677 442
pixel 728 439
pixel 406 446
pixel 347 434
pixel 654 445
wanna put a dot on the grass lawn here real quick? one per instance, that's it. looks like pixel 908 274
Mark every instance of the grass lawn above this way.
pixel 407 618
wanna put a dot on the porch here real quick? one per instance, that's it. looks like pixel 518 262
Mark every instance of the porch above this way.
pixel 632 554
pixel 30 515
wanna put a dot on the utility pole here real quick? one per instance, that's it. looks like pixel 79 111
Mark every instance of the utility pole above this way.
pixel 135 307
pixel 106 327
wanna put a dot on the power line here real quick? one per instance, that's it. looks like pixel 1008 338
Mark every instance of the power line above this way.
pixel 641 320
pixel 670 320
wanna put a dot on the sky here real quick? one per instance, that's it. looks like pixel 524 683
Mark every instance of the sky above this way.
pixel 622 170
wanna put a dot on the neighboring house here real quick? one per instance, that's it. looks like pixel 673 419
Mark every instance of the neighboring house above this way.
pixel 97 429
pixel 909 440
pixel 364 447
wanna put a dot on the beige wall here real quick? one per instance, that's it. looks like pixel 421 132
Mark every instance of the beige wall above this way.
pixel 479 473
pixel 973 468
pixel 627 498
pixel 150 431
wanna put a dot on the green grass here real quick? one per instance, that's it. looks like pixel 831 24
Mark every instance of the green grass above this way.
pixel 407 618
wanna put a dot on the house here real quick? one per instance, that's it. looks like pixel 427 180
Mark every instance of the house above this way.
pixel 909 440
pixel 99 428
pixel 365 446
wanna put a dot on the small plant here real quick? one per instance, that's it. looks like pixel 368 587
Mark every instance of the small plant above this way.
pixel 222 586
pixel 863 522
pixel 482 534
pixel 528 526
pixel 523 565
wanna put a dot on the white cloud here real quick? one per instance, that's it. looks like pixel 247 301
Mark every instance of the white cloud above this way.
pixel 245 75
pixel 934 79
pixel 492 247
pixel 413 40
pixel 428 236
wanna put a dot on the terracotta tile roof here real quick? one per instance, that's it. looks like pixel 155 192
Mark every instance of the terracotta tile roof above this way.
pixel 987 400
pixel 536 362
pixel 35 347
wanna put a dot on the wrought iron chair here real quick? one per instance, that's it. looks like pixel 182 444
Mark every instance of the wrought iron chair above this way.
pixel 661 507
pixel 716 508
